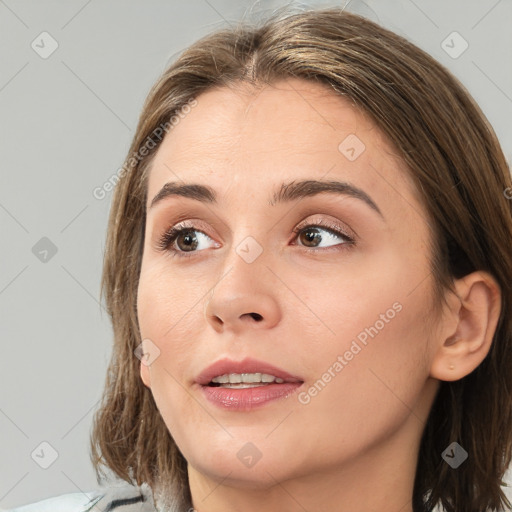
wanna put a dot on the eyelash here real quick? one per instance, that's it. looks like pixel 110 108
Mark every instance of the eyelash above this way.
pixel 170 236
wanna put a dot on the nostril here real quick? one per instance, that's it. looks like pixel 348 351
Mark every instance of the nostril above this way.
pixel 256 316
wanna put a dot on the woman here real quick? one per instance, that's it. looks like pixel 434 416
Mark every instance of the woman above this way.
pixel 309 273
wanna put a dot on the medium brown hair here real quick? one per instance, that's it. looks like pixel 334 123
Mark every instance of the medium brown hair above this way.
pixel 461 175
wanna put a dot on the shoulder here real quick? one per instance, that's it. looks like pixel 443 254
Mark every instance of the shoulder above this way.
pixel 122 498
pixel 75 502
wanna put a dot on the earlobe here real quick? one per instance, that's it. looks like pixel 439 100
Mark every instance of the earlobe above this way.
pixel 144 375
pixel 475 315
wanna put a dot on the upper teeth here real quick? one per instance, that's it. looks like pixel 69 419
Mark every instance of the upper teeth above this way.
pixel 235 378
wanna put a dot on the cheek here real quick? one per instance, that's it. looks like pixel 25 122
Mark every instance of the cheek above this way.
pixel 361 300
pixel 356 401
pixel 168 311
pixel 379 363
pixel 372 354
pixel 164 303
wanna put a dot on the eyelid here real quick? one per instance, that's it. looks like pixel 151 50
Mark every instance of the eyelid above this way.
pixel 330 225
pixel 169 236
pixel 163 241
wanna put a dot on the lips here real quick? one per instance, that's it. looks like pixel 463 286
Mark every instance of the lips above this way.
pixel 248 365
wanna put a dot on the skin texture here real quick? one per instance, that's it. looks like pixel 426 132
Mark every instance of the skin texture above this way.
pixel 353 446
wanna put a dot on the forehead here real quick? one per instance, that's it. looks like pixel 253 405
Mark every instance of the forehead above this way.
pixel 245 119
pixel 260 137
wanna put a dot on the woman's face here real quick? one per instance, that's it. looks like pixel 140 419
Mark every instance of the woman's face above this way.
pixel 328 289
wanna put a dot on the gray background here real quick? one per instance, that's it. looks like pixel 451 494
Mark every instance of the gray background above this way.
pixel 66 122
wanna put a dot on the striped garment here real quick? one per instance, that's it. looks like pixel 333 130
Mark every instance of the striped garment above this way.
pixel 123 498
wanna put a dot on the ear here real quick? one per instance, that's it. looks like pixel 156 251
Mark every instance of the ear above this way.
pixel 148 352
pixel 468 326
pixel 145 375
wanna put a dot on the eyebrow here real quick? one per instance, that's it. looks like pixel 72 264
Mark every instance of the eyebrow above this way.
pixel 287 192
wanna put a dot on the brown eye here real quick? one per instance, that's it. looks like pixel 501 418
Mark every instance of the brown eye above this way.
pixel 310 237
pixel 313 236
pixel 186 241
pixel 179 240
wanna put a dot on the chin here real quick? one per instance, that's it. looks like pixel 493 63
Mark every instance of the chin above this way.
pixel 225 471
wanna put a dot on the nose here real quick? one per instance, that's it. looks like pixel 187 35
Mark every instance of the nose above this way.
pixel 244 298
